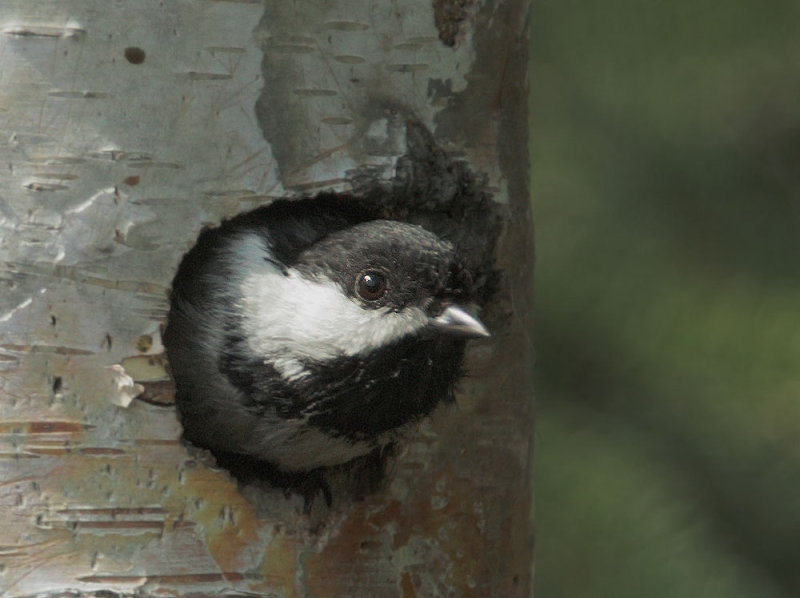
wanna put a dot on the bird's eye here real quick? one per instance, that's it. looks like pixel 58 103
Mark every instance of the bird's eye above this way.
pixel 371 285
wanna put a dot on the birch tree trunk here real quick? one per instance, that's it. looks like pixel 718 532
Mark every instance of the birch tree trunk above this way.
pixel 127 127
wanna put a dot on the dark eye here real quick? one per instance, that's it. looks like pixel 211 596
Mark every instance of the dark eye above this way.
pixel 371 285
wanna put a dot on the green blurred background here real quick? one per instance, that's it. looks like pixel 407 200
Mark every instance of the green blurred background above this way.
pixel 666 189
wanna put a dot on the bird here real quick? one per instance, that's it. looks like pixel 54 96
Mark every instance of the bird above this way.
pixel 310 332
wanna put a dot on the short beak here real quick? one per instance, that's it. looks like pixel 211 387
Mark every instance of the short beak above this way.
pixel 456 321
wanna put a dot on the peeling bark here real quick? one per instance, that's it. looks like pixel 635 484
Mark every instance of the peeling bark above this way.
pixel 126 129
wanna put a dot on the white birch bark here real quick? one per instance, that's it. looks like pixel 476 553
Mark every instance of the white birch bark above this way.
pixel 125 127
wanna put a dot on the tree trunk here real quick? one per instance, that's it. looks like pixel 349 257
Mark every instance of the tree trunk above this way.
pixel 127 127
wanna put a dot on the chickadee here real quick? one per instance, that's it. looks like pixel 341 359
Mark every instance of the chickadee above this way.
pixel 306 333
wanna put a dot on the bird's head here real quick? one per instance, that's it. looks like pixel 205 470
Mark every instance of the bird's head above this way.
pixel 358 290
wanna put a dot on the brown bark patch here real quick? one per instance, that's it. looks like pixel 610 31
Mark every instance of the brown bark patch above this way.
pixel 449 15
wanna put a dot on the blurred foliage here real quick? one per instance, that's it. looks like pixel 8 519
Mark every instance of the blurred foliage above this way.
pixel 666 188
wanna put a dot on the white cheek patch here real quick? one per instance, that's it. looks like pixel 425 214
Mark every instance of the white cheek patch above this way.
pixel 288 318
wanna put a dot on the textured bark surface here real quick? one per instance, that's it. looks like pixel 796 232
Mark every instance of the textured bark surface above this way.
pixel 126 127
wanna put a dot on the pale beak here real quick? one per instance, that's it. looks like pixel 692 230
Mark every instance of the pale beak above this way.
pixel 456 321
